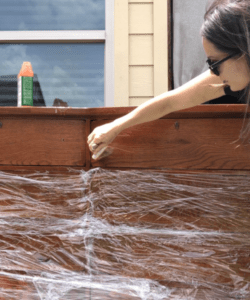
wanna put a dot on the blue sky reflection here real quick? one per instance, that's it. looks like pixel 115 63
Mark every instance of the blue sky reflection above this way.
pixel 52 15
pixel 71 72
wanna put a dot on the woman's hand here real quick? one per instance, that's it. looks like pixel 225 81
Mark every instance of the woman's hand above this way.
pixel 100 138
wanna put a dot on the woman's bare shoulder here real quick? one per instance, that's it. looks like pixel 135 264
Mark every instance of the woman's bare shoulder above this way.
pixel 200 89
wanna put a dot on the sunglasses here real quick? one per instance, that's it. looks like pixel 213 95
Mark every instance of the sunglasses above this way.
pixel 214 66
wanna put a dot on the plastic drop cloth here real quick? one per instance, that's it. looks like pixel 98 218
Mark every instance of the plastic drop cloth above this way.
pixel 124 235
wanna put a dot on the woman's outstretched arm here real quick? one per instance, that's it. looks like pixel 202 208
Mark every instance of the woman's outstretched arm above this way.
pixel 198 90
pixel 202 88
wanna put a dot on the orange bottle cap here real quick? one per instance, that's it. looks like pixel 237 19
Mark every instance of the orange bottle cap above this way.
pixel 26 70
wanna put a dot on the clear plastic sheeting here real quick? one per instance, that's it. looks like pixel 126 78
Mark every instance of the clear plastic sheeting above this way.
pixel 123 235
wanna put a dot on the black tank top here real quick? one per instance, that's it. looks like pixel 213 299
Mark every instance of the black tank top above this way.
pixel 237 94
pixel 230 97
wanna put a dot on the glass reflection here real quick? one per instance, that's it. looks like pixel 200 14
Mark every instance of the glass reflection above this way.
pixel 52 15
pixel 64 74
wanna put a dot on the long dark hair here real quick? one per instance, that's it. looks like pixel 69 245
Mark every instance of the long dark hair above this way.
pixel 227 25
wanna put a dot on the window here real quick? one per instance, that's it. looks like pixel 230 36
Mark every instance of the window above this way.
pixel 70 46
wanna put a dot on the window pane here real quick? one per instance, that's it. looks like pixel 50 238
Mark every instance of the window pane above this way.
pixel 73 73
pixel 52 15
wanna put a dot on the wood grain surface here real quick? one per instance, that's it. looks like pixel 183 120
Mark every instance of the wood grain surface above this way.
pixel 42 141
pixel 196 153
pixel 183 144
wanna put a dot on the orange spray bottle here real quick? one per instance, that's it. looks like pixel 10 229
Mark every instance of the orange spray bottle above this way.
pixel 25 85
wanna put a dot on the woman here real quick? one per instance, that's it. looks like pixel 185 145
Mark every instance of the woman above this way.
pixel 226 42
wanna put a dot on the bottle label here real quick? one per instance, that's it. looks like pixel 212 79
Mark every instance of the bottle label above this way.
pixel 25 91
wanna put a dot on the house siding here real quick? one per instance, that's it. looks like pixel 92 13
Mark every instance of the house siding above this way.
pixel 141 51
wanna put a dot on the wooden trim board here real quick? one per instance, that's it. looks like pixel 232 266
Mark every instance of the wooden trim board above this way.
pixel 201 138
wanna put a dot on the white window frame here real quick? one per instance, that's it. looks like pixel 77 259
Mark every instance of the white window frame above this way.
pixel 75 36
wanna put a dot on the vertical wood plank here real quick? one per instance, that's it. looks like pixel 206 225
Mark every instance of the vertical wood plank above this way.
pixel 141 81
pixel 136 101
pixel 141 50
pixel 160 47
pixel 141 1
pixel 121 54
pixel 141 18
